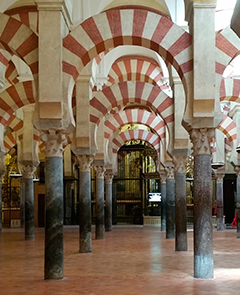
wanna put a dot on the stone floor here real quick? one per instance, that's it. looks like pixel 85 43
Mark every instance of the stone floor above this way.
pixel 132 260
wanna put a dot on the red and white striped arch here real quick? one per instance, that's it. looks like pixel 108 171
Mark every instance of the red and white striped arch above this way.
pixel 135 69
pixel 15 123
pixel 127 27
pixel 124 93
pixel 19 39
pixel 135 134
pixel 131 116
pixel 227 47
pixel 28 15
pixel 5 57
pixel 11 73
pixel 230 90
pixel 15 97
pixel 229 128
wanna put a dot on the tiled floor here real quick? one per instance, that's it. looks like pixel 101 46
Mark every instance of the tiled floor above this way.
pixel 130 261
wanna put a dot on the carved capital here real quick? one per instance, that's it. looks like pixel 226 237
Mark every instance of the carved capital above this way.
pixel 219 177
pixel 54 142
pixel 85 162
pixel 201 139
pixel 28 171
pixel 180 164
pixel 99 171
pixel 108 178
pixel 170 172
pixel 237 170
pixel 163 176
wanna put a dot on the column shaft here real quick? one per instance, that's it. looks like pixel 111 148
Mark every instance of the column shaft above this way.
pixel 180 212
pixel 109 206
pixel 85 217
pixel 238 205
pixel 68 202
pixel 22 203
pixel 54 218
pixel 203 251
pixel 170 209
pixel 29 209
pixel 219 192
pixel 114 203
pixel 99 209
pixel 163 205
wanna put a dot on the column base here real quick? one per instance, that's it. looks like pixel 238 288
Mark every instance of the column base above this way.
pixel 203 267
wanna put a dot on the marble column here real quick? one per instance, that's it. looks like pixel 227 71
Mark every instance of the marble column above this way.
pixel 99 205
pixel 108 181
pixel 170 204
pixel 114 203
pixel 202 191
pixel 53 268
pixel 180 204
pixel 219 197
pixel 85 216
pixel 237 170
pixel 27 175
pixel 22 202
pixel 68 201
pixel 163 177
pixel 2 173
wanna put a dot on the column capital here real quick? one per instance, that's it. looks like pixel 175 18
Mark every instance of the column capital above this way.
pixel 28 171
pixel 54 142
pixel 180 164
pixel 163 176
pixel 170 172
pixel 201 139
pixel 219 176
pixel 108 178
pixel 85 162
pixel 237 170
pixel 100 170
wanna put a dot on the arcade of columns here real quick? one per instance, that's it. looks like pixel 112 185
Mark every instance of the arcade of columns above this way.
pixel 86 81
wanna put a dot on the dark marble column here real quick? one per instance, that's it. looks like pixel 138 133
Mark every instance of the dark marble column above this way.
pixel 68 201
pixel 219 197
pixel 108 181
pixel 85 216
pixel 54 204
pixel 2 173
pixel 237 170
pixel 163 177
pixel 180 204
pixel 114 203
pixel 28 172
pixel 202 191
pixel 22 202
pixel 99 206
pixel 170 204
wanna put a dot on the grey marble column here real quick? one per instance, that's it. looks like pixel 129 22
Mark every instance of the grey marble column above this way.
pixel 163 200
pixel 27 175
pixel 68 201
pixel 99 206
pixel 22 202
pixel 114 203
pixel 202 191
pixel 85 216
pixel 219 198
pixel 237 170
pixel 180 204
pixel 108 181
pixel 53 268
pixel 170 204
